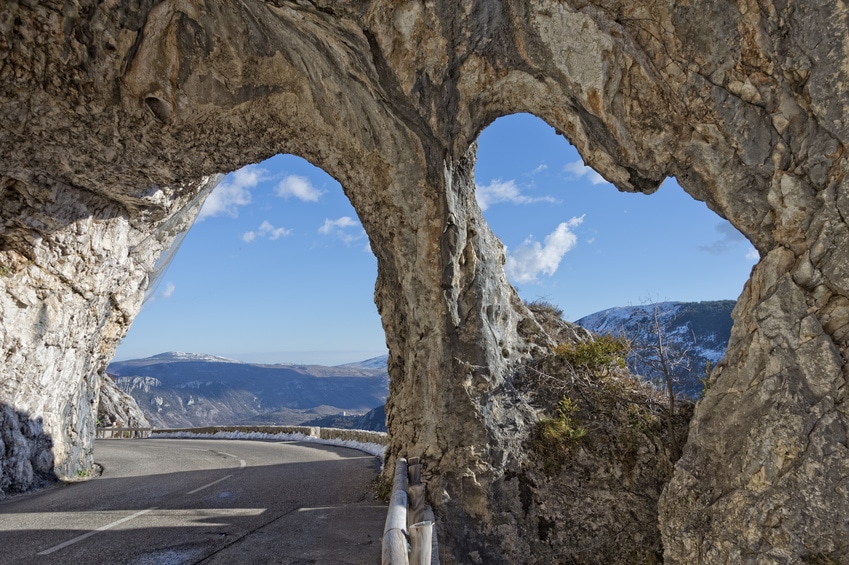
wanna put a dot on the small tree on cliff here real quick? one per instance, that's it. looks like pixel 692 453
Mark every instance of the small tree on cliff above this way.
pixel 658 357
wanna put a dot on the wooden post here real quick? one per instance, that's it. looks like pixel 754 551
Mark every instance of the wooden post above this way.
pixel 414 467
pixel 416 494
pixel 434 543
pixel 420 543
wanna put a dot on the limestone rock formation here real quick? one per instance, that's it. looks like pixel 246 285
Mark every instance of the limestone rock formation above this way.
pixel 117 408
pixel 27 460
pixel 118 115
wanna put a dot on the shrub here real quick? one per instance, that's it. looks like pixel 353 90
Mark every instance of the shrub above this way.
pixel 554 436
pixel 597 356
pixel 545 308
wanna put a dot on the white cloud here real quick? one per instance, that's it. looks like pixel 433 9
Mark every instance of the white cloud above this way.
pixel 329 226
pixel 531 258
pixel 168 290
pixel 273 233
pixel 232 192
pixel 540 168
pixel 753 255
pixel 345 228
pixel 266 229
pixel 579 170
pixel 299 187
pixel 504 191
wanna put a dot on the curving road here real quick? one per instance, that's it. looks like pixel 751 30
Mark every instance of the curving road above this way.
pixel 170 502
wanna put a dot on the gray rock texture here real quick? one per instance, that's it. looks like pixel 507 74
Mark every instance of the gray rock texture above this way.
pixel 117 408
pixel 117 117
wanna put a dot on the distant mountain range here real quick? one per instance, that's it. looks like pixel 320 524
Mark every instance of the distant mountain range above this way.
pixel 187 389
pixel 699 329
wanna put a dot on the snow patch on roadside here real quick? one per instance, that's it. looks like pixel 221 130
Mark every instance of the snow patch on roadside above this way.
pixel 371 448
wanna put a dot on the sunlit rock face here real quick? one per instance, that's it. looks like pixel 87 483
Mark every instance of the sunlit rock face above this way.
pixel 114 114
pixel 116 408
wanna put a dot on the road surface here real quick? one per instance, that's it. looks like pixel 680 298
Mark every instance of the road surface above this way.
pixel 174 502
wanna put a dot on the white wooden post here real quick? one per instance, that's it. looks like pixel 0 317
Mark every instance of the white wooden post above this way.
pixel 421 535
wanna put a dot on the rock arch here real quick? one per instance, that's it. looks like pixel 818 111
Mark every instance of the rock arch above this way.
pixel 114 113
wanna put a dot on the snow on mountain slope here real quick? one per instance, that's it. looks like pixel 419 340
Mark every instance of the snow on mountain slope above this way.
pixel 701 329
pixel 373 363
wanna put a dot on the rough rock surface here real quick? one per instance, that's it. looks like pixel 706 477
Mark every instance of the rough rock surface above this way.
pixel 27 460
pixel 115 112
pixel 117 408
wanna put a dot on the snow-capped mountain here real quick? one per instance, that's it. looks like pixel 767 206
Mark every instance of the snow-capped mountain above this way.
pixel 699 329
pixel 177 356
pixel 373 363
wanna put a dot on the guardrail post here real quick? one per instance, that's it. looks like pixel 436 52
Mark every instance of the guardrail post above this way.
pixel 421 538
pixel 414 470
pixel 416 495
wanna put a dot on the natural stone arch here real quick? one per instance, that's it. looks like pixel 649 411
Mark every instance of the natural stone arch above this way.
pixel 113 113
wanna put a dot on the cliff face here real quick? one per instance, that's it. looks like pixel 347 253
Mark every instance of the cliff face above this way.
pixel 117 408
pixel 115 113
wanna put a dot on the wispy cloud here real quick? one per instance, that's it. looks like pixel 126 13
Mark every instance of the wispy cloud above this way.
pixel 234 191
pixel 729 239
pixel 345 228
pixel 298 187
pixel 578 170
pixel 266 229
pixel 540 168
pixel 504 191
pixel 168 291
pixel 530 259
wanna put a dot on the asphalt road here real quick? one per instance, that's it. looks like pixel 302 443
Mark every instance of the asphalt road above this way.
pixel 170 502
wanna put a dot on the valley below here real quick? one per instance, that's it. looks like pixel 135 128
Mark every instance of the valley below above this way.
pixel 177 390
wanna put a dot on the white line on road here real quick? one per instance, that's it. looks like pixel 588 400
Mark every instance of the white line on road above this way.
pixel 209 485
pixel 241 461
pixel 91 533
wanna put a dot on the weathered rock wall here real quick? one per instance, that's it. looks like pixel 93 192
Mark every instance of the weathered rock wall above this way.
pixel 117 408
pixel 113 111
pixel 74 270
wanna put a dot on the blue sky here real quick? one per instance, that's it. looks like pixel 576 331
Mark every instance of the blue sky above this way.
pixel 278 269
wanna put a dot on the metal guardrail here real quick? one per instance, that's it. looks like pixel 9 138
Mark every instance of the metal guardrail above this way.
pixel 118 432
pixel 364 436
pixel 408 535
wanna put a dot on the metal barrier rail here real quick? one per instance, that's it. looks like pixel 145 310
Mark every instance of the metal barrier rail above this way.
pixel 408 535
pixel 364 436
pixel 118 432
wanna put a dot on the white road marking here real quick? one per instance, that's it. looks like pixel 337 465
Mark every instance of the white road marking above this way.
pixel 209 485
pixel 93 532
pixel 337 507
pixel 242 463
